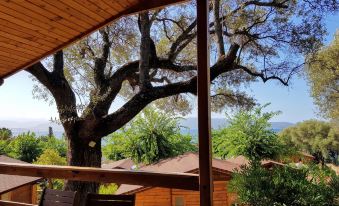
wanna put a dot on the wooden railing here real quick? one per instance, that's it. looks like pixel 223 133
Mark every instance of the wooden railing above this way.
pixel 9 203
pixel 153 179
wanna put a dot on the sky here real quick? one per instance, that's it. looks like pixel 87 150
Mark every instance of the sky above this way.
pixel 295 103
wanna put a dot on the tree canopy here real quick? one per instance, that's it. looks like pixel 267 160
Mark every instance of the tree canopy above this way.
pixel 5 134
pixel 249 134
pixel 322 72
pixel 316 137
pixel 25 147
pixel 151 136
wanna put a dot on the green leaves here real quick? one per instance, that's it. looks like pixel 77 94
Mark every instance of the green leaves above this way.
pixel 257 186
pixel 313 136
pixel 5 134
pixel 322 73
pixel 153 135
pixel 248 134
pixel 25 147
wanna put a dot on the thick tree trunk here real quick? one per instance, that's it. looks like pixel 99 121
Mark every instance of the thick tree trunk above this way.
pixel 83 155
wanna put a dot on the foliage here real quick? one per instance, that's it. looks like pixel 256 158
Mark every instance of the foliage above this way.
pixel 52 142
pixel 108 189
pixel 5 134
pixel 3 147
pixel 151 136
pixel 313 136
pixel 257 186
pixel 248 134
pixel 116 145
pixel 25 147
pixel 322 73
pixel 52 157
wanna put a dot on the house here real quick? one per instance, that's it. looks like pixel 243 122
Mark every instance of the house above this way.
pixel 120 164
pixel 187 163
pixel 17 188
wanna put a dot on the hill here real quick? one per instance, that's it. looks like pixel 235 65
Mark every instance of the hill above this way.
pixel 190 125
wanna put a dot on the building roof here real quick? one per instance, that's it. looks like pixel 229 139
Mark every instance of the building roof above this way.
pixel 121 164
pixel 185 163
pixel 11 182
pixel 241 160
pixel 33 30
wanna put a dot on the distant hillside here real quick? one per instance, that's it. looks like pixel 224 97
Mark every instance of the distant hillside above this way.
pixel 191 125
pixel 40 127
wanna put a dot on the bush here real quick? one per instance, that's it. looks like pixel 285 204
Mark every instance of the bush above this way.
pixel 54 143
pixel 25 147
pixel 5 134
pixel 52 157
pixel 257 186
pixel 150 137
pixel 249 134
pixel 108 189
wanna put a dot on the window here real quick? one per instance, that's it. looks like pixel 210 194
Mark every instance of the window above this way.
pixel 179 201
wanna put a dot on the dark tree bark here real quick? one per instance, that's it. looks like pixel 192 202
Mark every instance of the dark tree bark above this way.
pixel 84 154
pixel 218 27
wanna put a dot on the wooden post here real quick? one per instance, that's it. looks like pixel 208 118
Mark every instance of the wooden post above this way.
pixel 204 112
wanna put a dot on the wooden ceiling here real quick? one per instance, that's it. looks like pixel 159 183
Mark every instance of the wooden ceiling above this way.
pixel 30 30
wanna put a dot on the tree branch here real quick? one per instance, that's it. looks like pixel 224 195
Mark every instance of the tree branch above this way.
pixel 218 28
pixel 145 50
pixel 263 77
pixel 60 89
pixel 58 65
pixel 116 120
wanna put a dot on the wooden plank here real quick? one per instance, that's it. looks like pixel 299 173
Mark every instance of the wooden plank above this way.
pixel 50 15
pixel 13 56
pixel 204 110
pixel 171 180
pixel 28 39
pixel 104 6
pixel 17 48
pixel 74 12
pixel 15 29
pixel 10 203
pixel 141 5
pixel 61 13
pixel 84 10
pixel 24 20
pixel 37 18
pixel 94 7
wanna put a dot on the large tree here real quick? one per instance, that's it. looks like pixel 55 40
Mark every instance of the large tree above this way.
pixel 323 75
pixel 151 57
pixel 315 137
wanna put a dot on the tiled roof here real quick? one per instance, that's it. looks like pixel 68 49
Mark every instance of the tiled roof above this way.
pixel 10 182
pixel 121 164
pixel 183 163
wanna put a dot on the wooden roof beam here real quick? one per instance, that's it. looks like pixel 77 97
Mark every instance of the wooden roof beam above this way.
pixel 143 5
pixel 169 180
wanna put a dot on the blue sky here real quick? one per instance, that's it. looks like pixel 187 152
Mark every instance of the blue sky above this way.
pixel 17 103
